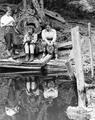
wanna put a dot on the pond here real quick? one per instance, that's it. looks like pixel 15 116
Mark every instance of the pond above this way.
pixel 13 92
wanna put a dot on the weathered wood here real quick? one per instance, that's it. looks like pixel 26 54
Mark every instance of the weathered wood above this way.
pixel 27 65
pixel 38 9
pixel 91 49
pixel 78 65
pixel 70 70
pixel 65 44
pixel 54 15
pixel 21 67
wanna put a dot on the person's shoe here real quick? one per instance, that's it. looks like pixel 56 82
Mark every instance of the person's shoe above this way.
pixel 31 58
pixel 27 58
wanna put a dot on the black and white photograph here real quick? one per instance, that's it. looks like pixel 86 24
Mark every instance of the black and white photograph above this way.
pixel 47 59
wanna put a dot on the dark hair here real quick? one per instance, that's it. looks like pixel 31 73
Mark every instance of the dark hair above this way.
pixel 48 23
pixel 8 8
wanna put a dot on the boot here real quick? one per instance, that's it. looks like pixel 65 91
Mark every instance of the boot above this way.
pixel 31 58
pixel 27 58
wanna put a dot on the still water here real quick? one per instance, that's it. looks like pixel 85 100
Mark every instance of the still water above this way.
pixel 13 92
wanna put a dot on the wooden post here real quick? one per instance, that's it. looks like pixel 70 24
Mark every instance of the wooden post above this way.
pixel 78 66
pixel 91 51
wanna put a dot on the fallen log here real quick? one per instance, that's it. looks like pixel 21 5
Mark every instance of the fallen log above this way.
pixel 65 44
pixel 54 15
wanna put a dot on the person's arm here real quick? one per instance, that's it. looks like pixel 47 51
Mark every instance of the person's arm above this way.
pixel 35 38
pixel 44 37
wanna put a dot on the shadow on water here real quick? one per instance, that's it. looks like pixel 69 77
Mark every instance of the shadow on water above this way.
pixel 13 94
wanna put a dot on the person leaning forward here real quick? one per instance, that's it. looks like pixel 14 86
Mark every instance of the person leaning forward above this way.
pixel 49 39
pixel 7 22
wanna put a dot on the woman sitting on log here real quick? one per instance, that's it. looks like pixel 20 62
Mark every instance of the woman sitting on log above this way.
pixel 49 39
pixel 30 39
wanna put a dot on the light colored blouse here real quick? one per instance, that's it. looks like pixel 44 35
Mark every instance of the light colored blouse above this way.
pixel 49 35
pixel 6 20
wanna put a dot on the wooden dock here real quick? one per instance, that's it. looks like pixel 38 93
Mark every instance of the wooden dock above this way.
pixel 35 65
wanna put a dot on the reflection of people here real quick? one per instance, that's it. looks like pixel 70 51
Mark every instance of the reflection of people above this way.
pixel 50 91
pixel 30 39
pixel 12 105
pixel 7 22
pixel 32 87
pixel 49 39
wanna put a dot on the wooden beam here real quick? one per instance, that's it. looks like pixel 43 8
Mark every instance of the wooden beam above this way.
pixel 91 50
pixel 65 44
pixel 78 65
pixel 54 15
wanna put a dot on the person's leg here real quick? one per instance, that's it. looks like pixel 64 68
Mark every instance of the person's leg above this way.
pixel 32 47
pixel 26 51
pixel 8 40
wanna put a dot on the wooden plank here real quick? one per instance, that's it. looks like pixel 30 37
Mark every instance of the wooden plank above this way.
pixel 78 65
pixel 54 15
pixel 91 50
pixel 65 44
pixel 20 67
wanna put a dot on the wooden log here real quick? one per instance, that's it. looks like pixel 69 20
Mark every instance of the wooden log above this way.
pixel 54 15
pixel 21 67
pixel 91 50
pixel 78 66
pixel 65 44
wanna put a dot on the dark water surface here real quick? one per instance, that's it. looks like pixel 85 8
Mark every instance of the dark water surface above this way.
pixel 13 93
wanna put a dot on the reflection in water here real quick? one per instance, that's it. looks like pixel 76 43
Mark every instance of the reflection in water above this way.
pixel 23 97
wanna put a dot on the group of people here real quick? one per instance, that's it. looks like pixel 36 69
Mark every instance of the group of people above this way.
pixel 30 37
pixel 32 89
pixel 49 89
